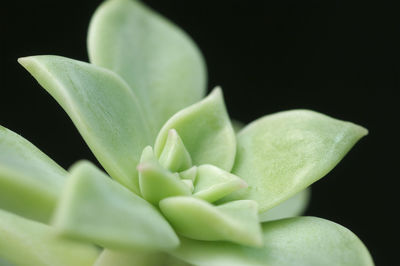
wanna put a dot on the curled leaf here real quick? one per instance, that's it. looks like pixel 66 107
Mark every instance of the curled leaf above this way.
pixel 30 182
pixel 205 130
pixel 235 221
pixel 96 209
pixel 281 154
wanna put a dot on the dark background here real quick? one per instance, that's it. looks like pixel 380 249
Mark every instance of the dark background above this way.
pixel 337 57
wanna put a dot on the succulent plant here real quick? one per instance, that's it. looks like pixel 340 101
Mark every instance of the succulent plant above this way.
pixel 183 184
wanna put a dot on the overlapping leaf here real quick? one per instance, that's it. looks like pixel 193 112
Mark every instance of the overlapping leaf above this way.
pixel 102 107
pixel 96 209
pixel 158 60
pixel 302 241
pixel 205 130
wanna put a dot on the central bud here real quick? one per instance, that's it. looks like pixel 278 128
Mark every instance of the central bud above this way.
pixel 185 192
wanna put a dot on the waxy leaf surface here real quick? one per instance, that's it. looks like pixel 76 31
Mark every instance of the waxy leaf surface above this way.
pixel 30 182
pixel 205 130
pixel 96 209
pixel 213 183
pixel 25 242
pixel 159 61
pixel 294 206
pixel 174 155
pixel 281 154
pixel 156 182
pixel 102 107
pixel 235 221
pixel 138 258
pixel 300 241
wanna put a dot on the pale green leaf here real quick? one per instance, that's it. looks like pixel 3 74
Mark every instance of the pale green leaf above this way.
pixel 96 209
pixel 24 242
pixel 281 154
pixel 174 155
pixel 189 174
pixel 236 221
pixel 213 183
pixel 294 206
pixel 138 258
pixel 102 107
pixel 156 182
pixel 206 131
pixel 301 241
pixel 159 61
pixel 30 182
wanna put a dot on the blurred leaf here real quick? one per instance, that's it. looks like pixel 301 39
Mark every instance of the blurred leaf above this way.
pixel 30 182
pixel 102 107
pixel 26 243
pixel 162 65
pixel 96 209
pixel 138 258
pixel 281 154
pixel 301 241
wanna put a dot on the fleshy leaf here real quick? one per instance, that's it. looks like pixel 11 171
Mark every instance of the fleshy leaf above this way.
pixel 206 131
pixel 190 173
pixel 294 206
pixel 213 183
pixel 159 61
pixel 300 241
pixel 96 209
pixel 102 107
pixel 236 221
pixel 30 182
pixel 174 155
pixel 156 182
pixel 25 242
pixel 138 258
pixel 281 154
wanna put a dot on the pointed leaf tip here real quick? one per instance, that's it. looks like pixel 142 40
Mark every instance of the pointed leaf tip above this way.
pixel 206 131
pixel 283 153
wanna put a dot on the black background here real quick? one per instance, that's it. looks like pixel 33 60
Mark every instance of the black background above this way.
pixel 340 58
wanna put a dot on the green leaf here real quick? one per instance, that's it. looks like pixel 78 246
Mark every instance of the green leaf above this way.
pixel 213 183
pixel 30 182
pixel 236 221
pixel 189 174
pixel 25 243
pixel 205 130
pixel 174 155
pixel 159 61
pixel 95 208
pixel 301 241
pixel 156 182
pixel 138 258
pixel 102 107
pixel 281 154
pixel 294 206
